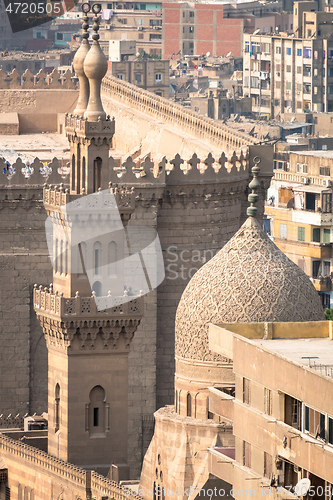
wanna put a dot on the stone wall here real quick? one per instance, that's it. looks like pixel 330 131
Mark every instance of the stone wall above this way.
pixel 194 213
pixel 34 474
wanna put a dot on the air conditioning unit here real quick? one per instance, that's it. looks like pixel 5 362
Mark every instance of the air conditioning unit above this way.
pixel 305 180
pixel 140 28
pixel 327 182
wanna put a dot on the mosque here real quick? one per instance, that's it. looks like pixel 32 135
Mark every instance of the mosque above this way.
pixel 249 283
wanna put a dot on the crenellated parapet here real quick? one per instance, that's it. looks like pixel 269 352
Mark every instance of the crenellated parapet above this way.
pixel 180 171
pixel 22 172
pixel 41 80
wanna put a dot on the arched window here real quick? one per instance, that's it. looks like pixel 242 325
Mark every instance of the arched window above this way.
pixel 73 172
pixel 56 408
pixel 97 410
pixel 78 169
pixel 112 258
pixel 97 258
pixel 56 255
pixel 61 257
pixel 83 172
pixel 188 405
pixel 97 288
pixel 97 173
pixel 66 258
pixel 82 248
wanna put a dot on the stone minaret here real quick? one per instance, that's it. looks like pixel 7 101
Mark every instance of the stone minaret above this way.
pixel 88 347
pixel 89 130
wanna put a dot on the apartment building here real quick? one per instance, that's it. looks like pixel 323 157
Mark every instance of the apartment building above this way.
pixel 299 214
pixel 198 28
pixel 282 410
pixel 146 74
pixel 140 22
pixel 291 72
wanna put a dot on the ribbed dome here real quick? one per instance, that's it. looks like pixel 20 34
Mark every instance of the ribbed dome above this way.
pixel 249 280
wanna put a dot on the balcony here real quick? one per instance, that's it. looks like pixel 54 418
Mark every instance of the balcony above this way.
pixel 322 284
pixel 313 218
pixel 221 462
pixel 221 403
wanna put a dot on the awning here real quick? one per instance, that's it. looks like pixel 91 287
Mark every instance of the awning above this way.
pixel 311 188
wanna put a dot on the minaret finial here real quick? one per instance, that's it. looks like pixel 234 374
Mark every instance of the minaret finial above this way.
pixel 254 185
pixel 95 67
pixel 78 63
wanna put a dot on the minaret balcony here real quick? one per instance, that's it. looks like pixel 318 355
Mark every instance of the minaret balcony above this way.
pixel 58 196
pixel 84 128
pixel 55 305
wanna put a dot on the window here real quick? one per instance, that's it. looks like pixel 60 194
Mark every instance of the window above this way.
pixel 138 78
pixel 299 52
pixel 283 230
pixel 267 465
pixel 307 52
pixel 57 408
pixel 246 391
pixel 292 412
pixel 330 430
pixel 306 427
pixel 288 85
pixel 316 234
pixel 278 50
pixel 120 76
pixel 288 51
pixel 158 77
pixel 188 405
pixel 247 46
pixel 97 257
pixel 60 36
pixel 288 68
pixel 327 203
pixel 268 401
pixel 324 171
pixel 299 70
pixel 301 233
pixel 246 454
pixel 327 234
pixel 97 412
pixel 141 36
pixel 112 258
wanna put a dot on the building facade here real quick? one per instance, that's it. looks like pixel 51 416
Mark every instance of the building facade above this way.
pixel 299 212
pixel 288 72
pixel 288 436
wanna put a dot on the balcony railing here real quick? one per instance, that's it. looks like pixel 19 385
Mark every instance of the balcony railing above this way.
pixel 55 304
pixel 313 218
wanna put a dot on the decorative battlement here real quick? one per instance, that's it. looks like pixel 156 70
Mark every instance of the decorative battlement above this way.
pixel 207 129
pixel 84 308
pixel 36 173
pixel 179 171
pixel 41 80
pixel 81 127
pixel 12 421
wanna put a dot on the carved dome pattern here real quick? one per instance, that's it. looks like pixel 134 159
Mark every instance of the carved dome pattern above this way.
pixel 249 280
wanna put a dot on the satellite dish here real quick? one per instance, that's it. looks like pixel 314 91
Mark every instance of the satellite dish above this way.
pixel 208 54
pixel 228 55
pixel 302 487
pixel 256 32
pixel 137 54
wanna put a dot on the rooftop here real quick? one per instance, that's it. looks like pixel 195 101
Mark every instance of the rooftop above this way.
pixel 316 353
pixel 29 146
